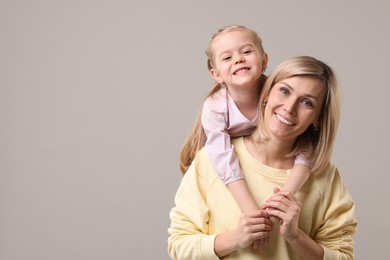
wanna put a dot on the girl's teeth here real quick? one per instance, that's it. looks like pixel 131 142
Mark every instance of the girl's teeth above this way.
pixel 241 70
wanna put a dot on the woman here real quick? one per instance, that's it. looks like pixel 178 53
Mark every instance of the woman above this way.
pixel 299 109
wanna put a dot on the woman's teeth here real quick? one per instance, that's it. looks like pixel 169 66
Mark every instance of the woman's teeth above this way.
pixel 284 120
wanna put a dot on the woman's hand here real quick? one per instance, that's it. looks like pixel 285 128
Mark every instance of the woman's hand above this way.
pixel 285 207
pixel 253 227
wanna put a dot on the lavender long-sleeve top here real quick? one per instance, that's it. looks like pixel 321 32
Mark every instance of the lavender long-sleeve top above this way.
pixel 222 120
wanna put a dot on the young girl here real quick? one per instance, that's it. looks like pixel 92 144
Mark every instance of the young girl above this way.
pixel 236 61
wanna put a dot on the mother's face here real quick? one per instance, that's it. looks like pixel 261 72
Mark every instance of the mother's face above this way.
pixel 293 104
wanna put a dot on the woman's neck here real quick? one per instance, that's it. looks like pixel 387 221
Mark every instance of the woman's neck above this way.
pixel 271 152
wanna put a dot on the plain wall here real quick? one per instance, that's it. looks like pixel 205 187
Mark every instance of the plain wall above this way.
pixel 96 98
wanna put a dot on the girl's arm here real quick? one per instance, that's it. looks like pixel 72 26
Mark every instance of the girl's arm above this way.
pixel 221 151
pixel 299 175
pixel 222 155
pixel 242 195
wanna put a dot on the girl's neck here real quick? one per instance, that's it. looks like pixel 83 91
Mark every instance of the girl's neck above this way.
pixel 246 99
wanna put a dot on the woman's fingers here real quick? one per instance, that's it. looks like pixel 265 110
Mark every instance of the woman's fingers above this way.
pixel 286 207
pixel 283 205
pixel 276 201
pixel 257 223
pixel 252 227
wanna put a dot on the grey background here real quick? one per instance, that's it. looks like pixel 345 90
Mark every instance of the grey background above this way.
pixel 96 98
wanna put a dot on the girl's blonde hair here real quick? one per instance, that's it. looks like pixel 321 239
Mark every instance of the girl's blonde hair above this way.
pixel 317 143
pixel 197 138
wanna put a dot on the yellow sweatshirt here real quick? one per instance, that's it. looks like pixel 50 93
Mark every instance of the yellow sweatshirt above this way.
pixel 205 207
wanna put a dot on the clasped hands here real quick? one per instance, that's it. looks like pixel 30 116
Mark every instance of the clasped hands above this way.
pixel 255 228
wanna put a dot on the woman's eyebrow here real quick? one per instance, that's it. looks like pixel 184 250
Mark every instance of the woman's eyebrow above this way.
pixel 291 88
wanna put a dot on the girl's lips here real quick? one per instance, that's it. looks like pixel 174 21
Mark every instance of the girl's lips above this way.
pixel 284 120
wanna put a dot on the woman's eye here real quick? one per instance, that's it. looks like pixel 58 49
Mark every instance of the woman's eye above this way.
pixel 307 103
pixel 284 91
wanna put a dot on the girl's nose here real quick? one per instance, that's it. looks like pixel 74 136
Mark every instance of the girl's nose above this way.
pixel 239 59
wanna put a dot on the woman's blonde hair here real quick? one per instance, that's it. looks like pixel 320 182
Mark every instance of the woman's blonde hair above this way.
pixel 317 143
pixel 196 138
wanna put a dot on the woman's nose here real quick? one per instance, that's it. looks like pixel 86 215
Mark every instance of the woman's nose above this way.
pixel 290 106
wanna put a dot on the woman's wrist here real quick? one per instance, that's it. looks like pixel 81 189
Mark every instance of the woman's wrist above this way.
pixel 295 237
pixel 225 244
pixel 306 247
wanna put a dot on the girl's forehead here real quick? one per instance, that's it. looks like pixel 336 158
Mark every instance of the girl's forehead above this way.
pixel 232 34
pixel 231 39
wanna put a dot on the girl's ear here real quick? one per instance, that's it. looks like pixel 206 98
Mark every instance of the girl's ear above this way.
pixel 215 75
pixel 265 61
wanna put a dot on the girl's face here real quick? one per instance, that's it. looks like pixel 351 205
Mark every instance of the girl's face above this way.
pixel 293 105
pixel 238 63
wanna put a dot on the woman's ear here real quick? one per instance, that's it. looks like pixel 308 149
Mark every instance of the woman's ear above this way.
pixel 265 101
pixel 316 125
pixel 215 75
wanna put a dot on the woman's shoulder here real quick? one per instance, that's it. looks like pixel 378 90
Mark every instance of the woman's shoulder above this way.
pixel 202 167
pixel 327 178
pixel 327 172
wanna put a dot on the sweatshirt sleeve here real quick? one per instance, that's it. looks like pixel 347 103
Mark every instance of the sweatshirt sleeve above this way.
pixel 188 231
pixel 215 122
pixel 339 223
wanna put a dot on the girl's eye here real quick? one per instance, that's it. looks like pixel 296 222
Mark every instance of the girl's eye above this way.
pixel 247 51
pixel 226 58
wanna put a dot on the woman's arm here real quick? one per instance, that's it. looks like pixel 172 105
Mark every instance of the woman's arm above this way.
pixel 335 235
pixel 285 207
pixel 337 220
pixel 188 231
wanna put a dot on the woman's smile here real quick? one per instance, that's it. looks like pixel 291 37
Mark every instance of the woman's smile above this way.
pixel 284 120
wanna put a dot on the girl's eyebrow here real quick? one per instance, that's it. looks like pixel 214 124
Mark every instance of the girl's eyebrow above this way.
pixel 242 47
pixel 291 88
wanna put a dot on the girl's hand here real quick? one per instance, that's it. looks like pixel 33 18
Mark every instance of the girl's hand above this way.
pixel 253 227
pixel 285 207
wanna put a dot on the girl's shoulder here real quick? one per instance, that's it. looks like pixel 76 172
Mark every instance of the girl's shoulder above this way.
pixel 217 99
